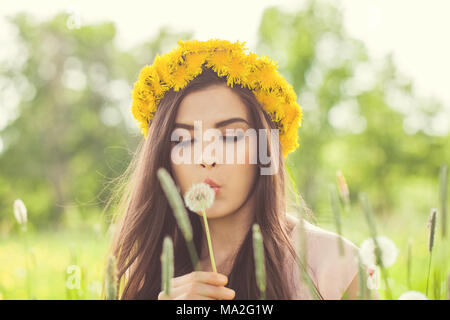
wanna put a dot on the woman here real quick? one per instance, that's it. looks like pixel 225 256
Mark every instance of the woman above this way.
pixel 201 83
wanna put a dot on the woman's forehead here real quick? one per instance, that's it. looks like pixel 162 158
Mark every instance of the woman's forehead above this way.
pixel 211 105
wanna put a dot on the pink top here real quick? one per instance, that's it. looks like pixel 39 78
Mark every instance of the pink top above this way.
pixel 331 272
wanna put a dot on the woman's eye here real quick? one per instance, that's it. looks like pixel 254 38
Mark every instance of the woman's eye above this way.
pixel 227 139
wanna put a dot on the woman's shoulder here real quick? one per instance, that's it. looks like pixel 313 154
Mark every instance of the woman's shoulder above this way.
pixel 318 235
pixel 332 269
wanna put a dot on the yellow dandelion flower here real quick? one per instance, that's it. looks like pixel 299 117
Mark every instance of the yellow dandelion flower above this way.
pixel 143 126
pixel 212 44
pixel 135 111
pixel 162 66
pixel 289 141
pixel 279 83
pixel 176 56
pixel 194 62
pixel 150 77
pixel 159 88
pixel 253 80
pixel 138 110
pixel 266 77
pixel 142 92
pixel 271 103
pixel 290 95
pixel 237 71
pixel 175 69
pixel 218 61
pixel 293 115
pixel 180 78
pixel 192 46
pixel 251 59
pixel 145 73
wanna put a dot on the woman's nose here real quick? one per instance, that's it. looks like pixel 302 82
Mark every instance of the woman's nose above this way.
pixel 206 164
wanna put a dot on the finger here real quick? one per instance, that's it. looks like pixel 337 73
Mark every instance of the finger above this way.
pixel 214 278
pixel 186 296
pixel 163 296
pixel 204 289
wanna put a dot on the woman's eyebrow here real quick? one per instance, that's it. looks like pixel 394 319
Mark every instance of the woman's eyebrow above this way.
pixel 217 125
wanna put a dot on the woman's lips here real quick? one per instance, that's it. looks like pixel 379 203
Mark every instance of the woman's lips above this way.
pixel 213 185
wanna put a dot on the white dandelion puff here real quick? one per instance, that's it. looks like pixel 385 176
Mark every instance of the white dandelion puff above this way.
pixel 413 295
pixel 199 197
pixel 20 212
pixel 388 250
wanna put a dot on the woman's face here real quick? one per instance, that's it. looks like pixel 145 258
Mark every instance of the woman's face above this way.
pixel 212 107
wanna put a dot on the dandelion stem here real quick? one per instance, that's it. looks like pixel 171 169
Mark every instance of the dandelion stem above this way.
pixel 27 261
pixel 364 293
pixel 211 254
pixel 373 230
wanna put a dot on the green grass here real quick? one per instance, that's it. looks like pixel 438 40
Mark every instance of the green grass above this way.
pixel 87 247
pixel 53 253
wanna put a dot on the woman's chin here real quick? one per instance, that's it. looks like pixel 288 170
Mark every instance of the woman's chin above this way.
pixel 215 211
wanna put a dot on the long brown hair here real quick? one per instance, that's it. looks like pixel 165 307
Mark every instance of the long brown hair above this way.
pixel 144 216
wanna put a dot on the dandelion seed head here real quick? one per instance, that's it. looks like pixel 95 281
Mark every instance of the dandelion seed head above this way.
pixel 199 197
pixel 388 249
pixel 20 212
pixel 413 295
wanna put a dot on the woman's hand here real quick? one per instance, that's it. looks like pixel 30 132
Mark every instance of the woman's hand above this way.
pixel 199 285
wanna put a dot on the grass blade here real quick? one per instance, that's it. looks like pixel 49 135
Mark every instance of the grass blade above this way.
pixel 258 253
pixel 443 198
pixel 167 268
pixel 432 225
pixel 180 212
pixel 111 278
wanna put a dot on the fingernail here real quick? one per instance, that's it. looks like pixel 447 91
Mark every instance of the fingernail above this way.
pixel 231 293
pixel 223 278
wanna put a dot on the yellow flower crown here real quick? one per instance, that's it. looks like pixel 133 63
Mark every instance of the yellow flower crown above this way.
pixel 176 68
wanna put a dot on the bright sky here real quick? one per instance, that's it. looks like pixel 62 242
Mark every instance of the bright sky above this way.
pixel 416 31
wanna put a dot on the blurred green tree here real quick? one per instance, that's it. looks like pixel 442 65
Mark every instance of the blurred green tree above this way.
pixel 361 115
pixel 73 125
pixel 72 129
